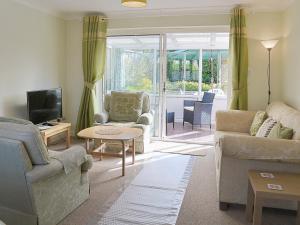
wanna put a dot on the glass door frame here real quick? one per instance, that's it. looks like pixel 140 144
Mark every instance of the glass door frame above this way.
pixel 162 87
pixel 162 69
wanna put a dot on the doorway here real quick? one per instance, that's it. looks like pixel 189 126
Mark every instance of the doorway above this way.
pixel 196 63
pixel 171 68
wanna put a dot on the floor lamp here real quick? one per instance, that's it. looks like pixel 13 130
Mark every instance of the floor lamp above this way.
pixel 269 45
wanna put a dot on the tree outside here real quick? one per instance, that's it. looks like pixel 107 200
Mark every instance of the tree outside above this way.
pixel 136 70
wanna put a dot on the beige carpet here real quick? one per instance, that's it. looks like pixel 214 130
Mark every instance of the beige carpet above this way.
pixel 200 206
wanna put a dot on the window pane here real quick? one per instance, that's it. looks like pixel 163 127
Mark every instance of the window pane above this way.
pixel 133 65
pixel 182 71
pixel 215 71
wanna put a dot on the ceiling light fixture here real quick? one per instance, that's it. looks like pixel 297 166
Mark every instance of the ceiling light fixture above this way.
pixel 134 3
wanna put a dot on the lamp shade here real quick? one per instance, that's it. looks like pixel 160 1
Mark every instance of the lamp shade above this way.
pixel 269 44
pixel 134 3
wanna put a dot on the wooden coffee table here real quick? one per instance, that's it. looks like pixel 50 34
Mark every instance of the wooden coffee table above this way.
pixel 258 192
pixel 111 133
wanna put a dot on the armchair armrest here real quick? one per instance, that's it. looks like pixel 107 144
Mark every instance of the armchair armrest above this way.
pixel 200 103
pixel 145 119
pixel 64 161
pixel 41 172
pixel 260 148
pixel 188 103
pixel 234 120
pixel 101 117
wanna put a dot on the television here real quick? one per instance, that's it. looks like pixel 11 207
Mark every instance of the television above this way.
pixel 44 105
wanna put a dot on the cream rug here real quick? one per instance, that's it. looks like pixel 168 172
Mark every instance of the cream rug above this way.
pixel 154 197
pixel 180 148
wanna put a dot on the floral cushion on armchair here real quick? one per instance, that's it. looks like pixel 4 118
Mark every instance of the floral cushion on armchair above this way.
pixel 125 106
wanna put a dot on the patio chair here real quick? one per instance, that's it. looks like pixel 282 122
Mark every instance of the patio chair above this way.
pixel 198 112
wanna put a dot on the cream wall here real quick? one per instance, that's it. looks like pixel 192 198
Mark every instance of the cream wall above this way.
pixel 32 55
pixel 291 56
pixel 74 74
pixel 260 26
pixel 264 26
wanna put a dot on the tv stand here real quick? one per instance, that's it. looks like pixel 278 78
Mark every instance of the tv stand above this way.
pixel 48 124
pixel 56 129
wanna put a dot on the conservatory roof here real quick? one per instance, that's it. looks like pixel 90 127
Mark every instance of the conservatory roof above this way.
pixel 174 41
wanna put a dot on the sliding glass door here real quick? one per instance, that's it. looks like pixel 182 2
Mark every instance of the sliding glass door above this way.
pixel 133 64
pixel 196 63
pixel 170 68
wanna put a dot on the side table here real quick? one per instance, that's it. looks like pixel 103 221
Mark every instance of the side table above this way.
pixel 258 192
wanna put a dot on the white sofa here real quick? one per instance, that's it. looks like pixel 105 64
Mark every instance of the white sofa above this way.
pixel 237 152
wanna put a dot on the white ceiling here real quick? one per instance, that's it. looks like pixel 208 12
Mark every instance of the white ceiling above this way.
pixel 114 9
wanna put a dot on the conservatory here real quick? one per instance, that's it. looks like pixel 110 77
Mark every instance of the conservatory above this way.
pixel 171 68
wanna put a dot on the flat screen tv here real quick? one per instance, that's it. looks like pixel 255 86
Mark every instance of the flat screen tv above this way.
pixel 44 105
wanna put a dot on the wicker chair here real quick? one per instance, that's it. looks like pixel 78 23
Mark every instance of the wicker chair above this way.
pixel 198 112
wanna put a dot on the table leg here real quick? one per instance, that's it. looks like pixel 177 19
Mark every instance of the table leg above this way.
pixel 123 157
pixel 133 151
pixel 250 203
pixel 101 150
pixel 298 214
pixel 257 215
pixel 46 140
pixel 87 145
pixel 68 138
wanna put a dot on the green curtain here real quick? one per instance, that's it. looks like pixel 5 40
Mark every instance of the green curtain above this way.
pixel 93 63
pixel 238 50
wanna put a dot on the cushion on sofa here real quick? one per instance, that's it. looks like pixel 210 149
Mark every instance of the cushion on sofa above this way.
pixel 125 106
pixel 258 120
pixel 31 138
pixel 266 128
pixel 281 132
pixel 286 115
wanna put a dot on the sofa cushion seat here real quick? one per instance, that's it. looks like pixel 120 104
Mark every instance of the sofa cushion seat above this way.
pixel 128 124
pixel 219 134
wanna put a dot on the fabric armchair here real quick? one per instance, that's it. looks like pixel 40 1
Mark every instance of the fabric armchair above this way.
pixel 128 109
pixel 33 192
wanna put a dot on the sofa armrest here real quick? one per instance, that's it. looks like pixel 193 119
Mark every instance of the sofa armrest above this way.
pixel 234 120
pixel 260 148
pixel 145 119
pixel 101 117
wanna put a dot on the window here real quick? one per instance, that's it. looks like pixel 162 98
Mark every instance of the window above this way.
pixel 197 62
